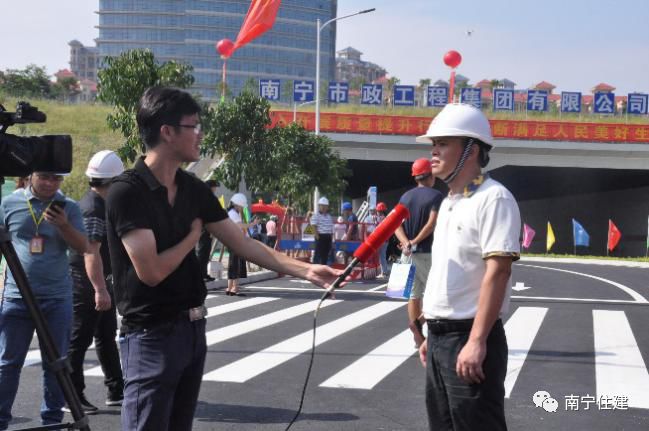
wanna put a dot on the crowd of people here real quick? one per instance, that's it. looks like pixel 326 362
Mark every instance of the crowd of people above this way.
pixel 138 243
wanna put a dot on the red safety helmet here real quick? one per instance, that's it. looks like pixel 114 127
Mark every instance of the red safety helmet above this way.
pixel 421 167
pixel 381 207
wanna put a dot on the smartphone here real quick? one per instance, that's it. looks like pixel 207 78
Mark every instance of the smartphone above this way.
pixel 58 204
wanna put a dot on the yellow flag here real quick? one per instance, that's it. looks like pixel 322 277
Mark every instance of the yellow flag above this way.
pixel 550 241
pixel 222 201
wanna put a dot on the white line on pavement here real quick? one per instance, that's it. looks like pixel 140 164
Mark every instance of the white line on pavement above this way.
pixel 521 329
pixel 619 367
pixel 250 366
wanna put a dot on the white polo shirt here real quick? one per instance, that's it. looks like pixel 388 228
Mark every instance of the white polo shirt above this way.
pixel 484 221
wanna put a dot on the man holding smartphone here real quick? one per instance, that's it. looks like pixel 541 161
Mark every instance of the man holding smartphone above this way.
pixel 43 224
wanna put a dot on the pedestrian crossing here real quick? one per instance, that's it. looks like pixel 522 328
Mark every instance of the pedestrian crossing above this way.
pixel 280 328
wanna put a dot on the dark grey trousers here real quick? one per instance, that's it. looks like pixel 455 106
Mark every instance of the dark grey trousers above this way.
pixel 455 405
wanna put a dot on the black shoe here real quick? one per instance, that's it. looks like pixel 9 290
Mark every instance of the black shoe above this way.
pixel 207 278
pixel 87 408
pixel 114 400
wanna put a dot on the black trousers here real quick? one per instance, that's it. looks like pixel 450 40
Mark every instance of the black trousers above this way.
pixel 322 248
pixel 453 404
pixel 88 323
pixel 203 250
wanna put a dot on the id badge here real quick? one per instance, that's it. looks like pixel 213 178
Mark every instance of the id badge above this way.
pixel 36 245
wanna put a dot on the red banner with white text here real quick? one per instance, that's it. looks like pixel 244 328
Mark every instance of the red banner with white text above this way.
pixel 503 129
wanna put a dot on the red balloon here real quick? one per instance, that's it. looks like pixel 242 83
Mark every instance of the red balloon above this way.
pixel 225 47
pixel 452 59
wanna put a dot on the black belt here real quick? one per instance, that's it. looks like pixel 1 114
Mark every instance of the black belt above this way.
pixel 442 326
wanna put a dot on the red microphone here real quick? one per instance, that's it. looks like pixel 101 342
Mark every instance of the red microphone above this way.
pixel 383 231
pixel 381 234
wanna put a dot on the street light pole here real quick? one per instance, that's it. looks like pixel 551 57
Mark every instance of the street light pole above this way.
pixel 317 62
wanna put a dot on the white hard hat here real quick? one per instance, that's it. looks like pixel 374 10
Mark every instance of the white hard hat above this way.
pixel 239 199
pixel 459 119
pixel 323 201
pixel 104 164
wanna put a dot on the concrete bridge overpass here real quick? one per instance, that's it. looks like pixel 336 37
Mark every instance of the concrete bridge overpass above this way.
pixel 557 171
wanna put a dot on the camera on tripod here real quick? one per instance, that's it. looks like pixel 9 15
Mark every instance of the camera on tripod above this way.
pixel 22 155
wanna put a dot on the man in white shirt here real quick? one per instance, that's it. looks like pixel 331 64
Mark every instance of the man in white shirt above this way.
pixel 469 284
pixel 324 225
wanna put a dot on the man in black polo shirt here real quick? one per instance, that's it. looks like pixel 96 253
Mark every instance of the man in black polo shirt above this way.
pixel 155 215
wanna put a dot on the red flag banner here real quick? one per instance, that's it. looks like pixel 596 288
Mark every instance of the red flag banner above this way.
pixel 504 129
pixel 614 235
pixel 259 19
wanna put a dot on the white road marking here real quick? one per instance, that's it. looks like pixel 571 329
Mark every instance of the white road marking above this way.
pixel 246 368
pixel 521 329
pixel 619 367
pixel 370 369
pixel 635 295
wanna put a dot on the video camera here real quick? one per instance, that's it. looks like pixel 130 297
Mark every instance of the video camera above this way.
pixel 22 155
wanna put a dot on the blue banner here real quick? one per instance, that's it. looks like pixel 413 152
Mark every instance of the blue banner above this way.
pixel 604 103
pixel 579 234
pixel 303 91
pixel 372 94
pixel 537 100
pixel 503 99
pixel 437 97
pixel 269 89
pixel 637 103
pixel 404 95
pixel 338 92
pixel 570 102
pixel 471 96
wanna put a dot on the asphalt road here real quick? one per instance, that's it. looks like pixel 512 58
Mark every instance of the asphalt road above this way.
pixel 577 332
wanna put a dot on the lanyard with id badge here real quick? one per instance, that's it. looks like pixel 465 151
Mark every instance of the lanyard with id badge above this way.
pixel 37 243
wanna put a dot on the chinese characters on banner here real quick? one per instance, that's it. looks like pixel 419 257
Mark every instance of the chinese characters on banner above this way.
pixel 338 92
pixel 303 91
pixel 537 100
pixel 471 96
pixel 637 103
pixel 437 97
pixel 404 95
pixel 269 89
pixel 512 129
pixel 502 99
pixel 570 102
pixel 371 94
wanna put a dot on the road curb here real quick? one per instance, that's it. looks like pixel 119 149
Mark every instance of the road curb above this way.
pixel 601 262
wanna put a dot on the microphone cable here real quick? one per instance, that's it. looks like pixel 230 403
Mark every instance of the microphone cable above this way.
pixel 382 232
pixel 325 295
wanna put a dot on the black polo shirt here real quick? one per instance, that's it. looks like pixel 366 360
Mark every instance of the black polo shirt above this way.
pixel 136 200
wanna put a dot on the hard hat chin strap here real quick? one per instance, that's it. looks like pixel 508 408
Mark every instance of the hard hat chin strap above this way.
pixel 460 163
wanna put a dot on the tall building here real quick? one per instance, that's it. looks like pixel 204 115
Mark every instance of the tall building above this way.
pixel 349 65
pixel 83 60
pixel 187 31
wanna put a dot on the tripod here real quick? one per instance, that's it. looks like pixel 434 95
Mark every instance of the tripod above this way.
pixel 59 365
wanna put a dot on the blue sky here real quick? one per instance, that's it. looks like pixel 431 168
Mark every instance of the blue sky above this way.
pixel 574 44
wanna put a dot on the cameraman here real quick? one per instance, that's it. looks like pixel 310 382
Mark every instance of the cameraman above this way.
pixel 43 224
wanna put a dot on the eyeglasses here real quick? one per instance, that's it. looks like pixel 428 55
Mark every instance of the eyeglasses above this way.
pixel 196 127
pixel 50 177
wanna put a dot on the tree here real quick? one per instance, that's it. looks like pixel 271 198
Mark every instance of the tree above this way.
pixel 64 88
pixel 123 81
pixel 389 88
pixel 236 129
pixel 288 162
pixel 494 83
pixel 303 161
pixel 31 82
